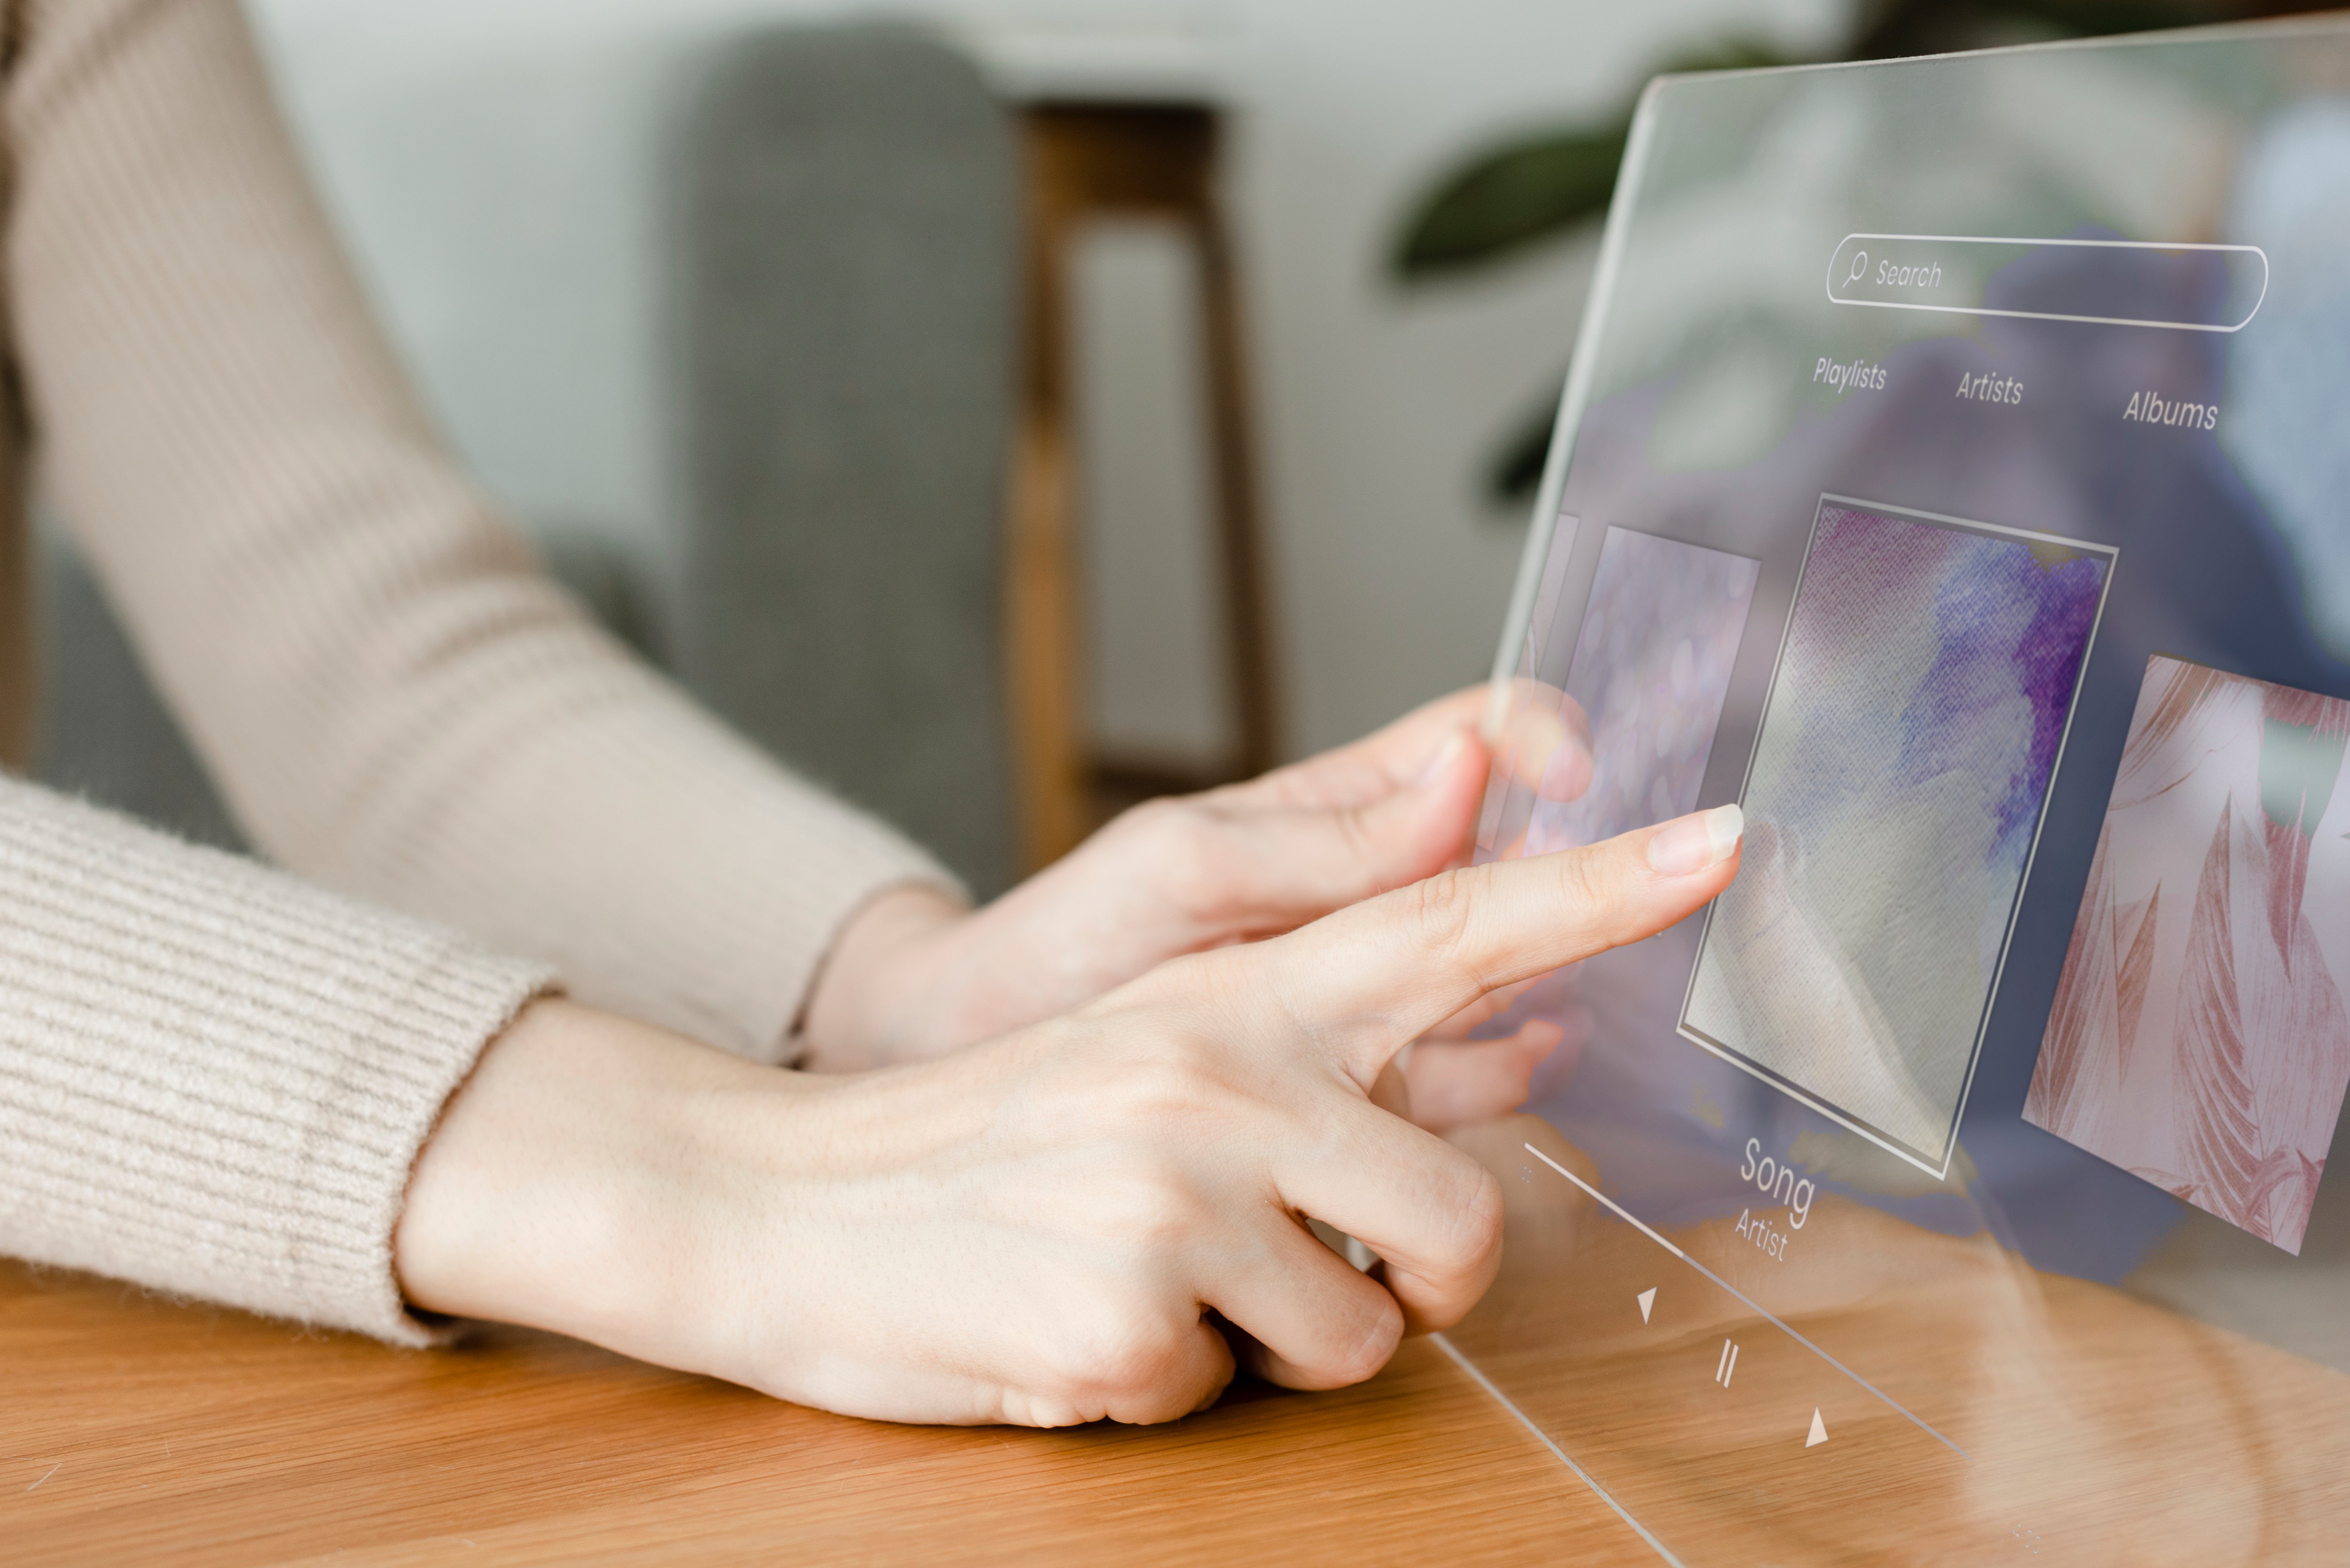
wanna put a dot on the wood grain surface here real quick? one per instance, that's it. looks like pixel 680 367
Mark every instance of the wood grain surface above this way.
pixel 2096 1428
pixel 2054 1421
pixel 136 1431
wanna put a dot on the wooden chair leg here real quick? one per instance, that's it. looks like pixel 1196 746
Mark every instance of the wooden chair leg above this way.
pixel 1041 647
pixel 1242 547
pixel 1085 161
pixel 1043 636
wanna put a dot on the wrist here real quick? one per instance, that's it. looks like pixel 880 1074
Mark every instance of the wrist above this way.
pixel 875 994
pixel 603 1179
pixel 557 1191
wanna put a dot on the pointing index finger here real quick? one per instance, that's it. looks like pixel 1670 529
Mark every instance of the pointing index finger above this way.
pixel 1370 978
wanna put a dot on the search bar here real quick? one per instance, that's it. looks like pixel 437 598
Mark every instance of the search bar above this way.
pixel 2110 282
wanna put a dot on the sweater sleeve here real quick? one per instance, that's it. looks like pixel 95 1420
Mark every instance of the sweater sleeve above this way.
pixel 213 1078
pixel 392 698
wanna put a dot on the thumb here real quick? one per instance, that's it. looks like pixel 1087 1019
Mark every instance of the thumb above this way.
pixel 1286 864
pixel 1367 980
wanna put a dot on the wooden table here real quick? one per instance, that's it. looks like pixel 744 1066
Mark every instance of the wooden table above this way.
pixel 135 1430
pixel 2098 1429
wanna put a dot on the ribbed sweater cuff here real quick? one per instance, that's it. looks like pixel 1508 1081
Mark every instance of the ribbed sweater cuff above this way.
pixel 215 1080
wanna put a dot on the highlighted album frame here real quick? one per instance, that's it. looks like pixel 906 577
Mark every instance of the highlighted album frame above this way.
pixel 1935 1161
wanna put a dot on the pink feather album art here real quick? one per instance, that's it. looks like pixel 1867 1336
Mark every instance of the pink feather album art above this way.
pixel 2200 1038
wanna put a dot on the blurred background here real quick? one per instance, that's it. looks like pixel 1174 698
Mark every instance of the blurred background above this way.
pixel 1112 395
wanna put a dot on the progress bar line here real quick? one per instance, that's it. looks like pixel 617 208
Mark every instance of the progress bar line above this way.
pixel 1581 1474
pixel 1775 1319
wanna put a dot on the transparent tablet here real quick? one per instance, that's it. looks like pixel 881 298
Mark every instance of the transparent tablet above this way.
pixel 1955 473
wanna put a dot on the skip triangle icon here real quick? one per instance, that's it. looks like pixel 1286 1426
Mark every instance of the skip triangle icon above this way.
pixel 1819 1430
pixel 1647 1299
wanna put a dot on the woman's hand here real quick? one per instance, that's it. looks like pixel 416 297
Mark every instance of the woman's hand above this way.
pixel 1048 1227
pixel 915 975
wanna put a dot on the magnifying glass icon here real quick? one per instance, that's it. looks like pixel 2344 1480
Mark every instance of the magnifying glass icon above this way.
pixel 1859 266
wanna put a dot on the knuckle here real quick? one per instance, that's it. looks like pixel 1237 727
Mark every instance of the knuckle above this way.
pixel 1582 885
pixel 1482 1220
pixel 1146 820
pixel 1442 917
pixel 1464 1220
pixel 1202 870
pixel 1171 1399
pixel 1157 1211
pixel 1467 1249
pixel 1360 846
pixel 1164 839
pixel 1173 826
pixel 1169 1001
pixel 1171 1079
pixel 1578 878
pixel 1382 1330
pixel 1116 1350
pixel 1168 839
pixel 1026 1408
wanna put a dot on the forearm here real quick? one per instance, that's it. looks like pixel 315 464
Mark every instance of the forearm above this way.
pixel 393 699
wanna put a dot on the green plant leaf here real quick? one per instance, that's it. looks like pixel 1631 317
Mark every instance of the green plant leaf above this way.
pixel 1527 190
pixel 1514 472
pixel 1509 199
pixel 1896 27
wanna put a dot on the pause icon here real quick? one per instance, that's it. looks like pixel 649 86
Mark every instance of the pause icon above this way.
pixel 1728 1362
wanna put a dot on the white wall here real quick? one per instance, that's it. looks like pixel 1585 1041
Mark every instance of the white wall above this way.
pixel 490 160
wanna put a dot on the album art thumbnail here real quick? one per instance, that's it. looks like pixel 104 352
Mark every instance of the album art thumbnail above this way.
pixel 1651 668
pixel 1914 725
pixel 2200 1038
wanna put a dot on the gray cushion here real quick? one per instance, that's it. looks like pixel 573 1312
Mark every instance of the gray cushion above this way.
pixel 104 732
pixel 844 330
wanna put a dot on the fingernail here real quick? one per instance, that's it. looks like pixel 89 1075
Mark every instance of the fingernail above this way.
pixel 1445 753
pixel 1694 843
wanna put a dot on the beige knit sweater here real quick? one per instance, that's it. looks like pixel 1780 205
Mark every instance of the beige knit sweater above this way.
pixel 214 1078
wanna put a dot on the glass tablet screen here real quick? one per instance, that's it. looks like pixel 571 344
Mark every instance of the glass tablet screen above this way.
pixel 1955 473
